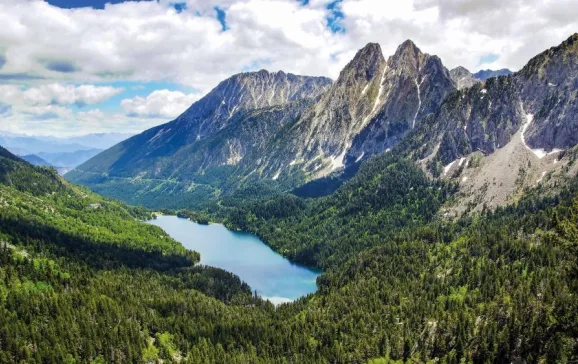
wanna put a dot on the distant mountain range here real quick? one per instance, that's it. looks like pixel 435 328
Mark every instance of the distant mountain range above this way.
pixel 28 144
pixel 485 74
pixel 280 131
pixel 65 153
pixel 36 160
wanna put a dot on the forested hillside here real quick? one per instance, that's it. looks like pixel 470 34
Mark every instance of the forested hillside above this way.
pixel 401 284
pixel 81 280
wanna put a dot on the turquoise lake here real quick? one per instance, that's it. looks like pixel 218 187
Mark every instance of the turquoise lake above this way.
pixel 273 277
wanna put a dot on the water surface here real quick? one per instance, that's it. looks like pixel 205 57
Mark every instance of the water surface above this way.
pixel 270 274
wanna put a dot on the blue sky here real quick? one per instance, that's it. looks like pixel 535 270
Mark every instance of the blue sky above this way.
pixel 78 66
pixel 96 4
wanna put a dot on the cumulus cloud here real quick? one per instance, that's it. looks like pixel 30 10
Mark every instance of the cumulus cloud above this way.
pixel 159 104
pixel 57 94
pixel 42 45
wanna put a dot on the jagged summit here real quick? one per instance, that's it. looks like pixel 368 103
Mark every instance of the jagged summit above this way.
pixel 364 65
pixel 463 78
pixel 460 70
pixel 407 46
pixel 264 126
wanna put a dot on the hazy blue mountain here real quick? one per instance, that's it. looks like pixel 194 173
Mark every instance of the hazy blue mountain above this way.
pixel 69 159
pixel 36 160
pixel 28 144
pixel 485 74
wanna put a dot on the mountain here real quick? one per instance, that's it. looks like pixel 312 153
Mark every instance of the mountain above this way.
pixel 370 107
pixel 401 284
pixel 409 104
pixel 82 279
pixel 413 86
pixel 463 78
pixel 99 140
pixel 521 123
pixel 321 128
pixel 222 106
pixel 198 150
pixel 27 144
pixel 36 160
pixel 485 74
pixel 69 159
pixel 24 144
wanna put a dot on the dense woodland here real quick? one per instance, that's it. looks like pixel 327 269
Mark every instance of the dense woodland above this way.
pixel 83 280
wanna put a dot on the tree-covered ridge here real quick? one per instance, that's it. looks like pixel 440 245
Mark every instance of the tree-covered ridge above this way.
pixel 385 196
pixel 81 279
pixel 82 282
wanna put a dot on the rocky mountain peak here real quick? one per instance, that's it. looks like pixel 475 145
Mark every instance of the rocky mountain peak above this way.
pixel 413 84
pixel 463 78
pixel 364 66
pixel 408 46
pixel 247 91
pixel 407 57
pixel 460 71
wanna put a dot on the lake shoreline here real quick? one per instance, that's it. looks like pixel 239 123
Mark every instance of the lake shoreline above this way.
pixel 269 273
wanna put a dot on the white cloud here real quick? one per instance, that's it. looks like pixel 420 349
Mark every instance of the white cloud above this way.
pixel 56 93
pixel 159 104
pixel 150 41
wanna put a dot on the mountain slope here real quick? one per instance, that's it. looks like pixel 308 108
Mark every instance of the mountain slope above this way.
pixel 36 160
pixel 520 123
pixel 146 154
pixel 463 78
pixel 215 148
pixel 409 103
pixel 403 284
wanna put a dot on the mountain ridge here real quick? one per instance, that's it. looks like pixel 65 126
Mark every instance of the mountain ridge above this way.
pixel 409 103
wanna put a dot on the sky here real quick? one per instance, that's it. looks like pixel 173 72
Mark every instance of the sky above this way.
pixel 72 67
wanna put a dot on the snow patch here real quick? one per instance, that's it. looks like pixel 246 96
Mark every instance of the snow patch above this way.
pixel 538 152
pixel 365 89
pixel 461 161
pixel 293 162
pixel 417 85
pixel 276 175
pixel 484 91
pixel 448 167
pixel 464 179
pixel 338 161
pixel 551 84
pixel 360 156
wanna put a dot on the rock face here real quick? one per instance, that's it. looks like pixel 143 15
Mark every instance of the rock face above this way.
pixel 550 93
pixel 463 78
pixel 370 107
pixel 318 141
pixel 281 129
pixel 413 85
pixel 540 100
pixel 158 152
